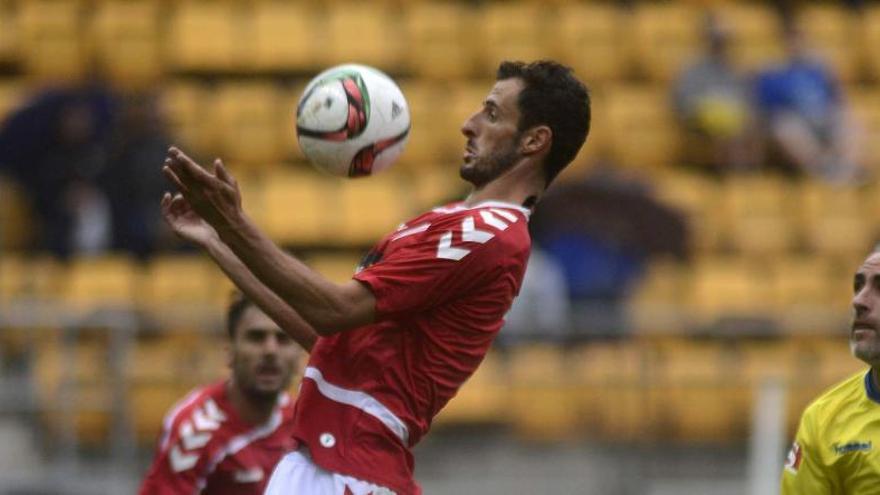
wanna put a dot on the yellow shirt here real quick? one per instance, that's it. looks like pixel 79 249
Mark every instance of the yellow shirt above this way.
pixel 834 451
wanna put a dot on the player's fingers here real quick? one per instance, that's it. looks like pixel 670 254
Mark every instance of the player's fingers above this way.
pixel 171 175
pixel 190 168
pixel 221 172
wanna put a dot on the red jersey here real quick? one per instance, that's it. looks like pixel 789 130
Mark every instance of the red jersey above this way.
pixel 443 282
pixel 206 448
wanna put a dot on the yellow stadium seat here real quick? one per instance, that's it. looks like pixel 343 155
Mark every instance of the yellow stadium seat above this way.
pixel 363 32
pixel 754 33
pixel 833 220
pixel 73 388
pixel 94 283
pixel 427 113
pixel 699 199
pixel 829 29
pixel 435 186
pixel 284 36
pixel 246 123
pixel 725 286
pixel 654 306
pixel 368 210
pixel 186 105
pixel 179 285
pixel 15 217
pixel 870 39
pixel 512 31
pixel 463 99
pixel 435 33
pixel 665 37
pixel 542 406
pixel 338 267
pixel 52 47
pixel 482 399
pixel 297 208
pixel 864 103
pixel 610 397
pixel 127 41
pixel 589 38
pixel 642 133
pixel 760 214
pixel 206 36
pixel 804 288
pixel 10 45
pixel 13 94
pixel 29 278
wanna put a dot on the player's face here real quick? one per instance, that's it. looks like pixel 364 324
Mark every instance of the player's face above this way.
pixel 864 337
pixel 263 356
pixel 492 134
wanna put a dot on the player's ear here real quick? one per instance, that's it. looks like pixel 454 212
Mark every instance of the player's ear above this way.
pixel 536 140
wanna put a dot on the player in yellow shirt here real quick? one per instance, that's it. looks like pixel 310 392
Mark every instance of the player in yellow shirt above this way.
pixel 834 452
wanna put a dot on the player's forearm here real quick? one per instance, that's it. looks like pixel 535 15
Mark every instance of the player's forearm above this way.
pixel 286 317
pixel 319 301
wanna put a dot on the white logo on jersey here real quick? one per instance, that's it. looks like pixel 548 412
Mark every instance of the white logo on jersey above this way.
pixel 251 475
pixel 469 233
pixel 194 434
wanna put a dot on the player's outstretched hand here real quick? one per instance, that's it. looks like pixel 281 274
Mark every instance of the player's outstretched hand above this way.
pixel 185 222
pixel 213 195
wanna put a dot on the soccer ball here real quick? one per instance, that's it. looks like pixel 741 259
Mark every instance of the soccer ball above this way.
pixel 352 121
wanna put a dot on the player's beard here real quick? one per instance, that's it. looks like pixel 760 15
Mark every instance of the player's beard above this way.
pixel 484 169
pixel 866 349
pixel 247 382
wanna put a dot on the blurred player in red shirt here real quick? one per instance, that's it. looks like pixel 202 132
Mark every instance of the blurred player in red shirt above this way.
pixel 397 341
pixel 225 438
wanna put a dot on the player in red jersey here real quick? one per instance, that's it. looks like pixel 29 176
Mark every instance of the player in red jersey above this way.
pixel 397 341
pixel 226 438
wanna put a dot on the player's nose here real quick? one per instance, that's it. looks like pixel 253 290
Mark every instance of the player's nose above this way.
pixel 468 127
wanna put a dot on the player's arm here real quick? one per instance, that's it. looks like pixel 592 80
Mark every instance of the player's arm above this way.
pixel 804 471
pixel 187 224
pixel 180 463
pixel 326 306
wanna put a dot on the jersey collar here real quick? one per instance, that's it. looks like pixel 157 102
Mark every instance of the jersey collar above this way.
pixel 870 389
pixel 484 204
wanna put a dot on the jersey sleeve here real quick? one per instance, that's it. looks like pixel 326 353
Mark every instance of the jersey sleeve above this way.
pixel 804 471
pixel 182 461
pixel 442 263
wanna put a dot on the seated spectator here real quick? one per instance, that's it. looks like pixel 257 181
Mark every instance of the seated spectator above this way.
pixel 712 102
pixel 807 124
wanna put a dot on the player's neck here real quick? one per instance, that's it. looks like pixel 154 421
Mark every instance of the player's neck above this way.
pixel 517 185
pixel 250 409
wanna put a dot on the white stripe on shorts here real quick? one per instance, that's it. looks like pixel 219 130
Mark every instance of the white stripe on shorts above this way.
pixel 361 400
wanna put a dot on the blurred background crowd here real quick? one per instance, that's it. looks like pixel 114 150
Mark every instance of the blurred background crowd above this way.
pixel 701 245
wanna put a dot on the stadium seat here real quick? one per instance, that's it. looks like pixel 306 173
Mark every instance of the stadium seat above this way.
pixel 368 210
pixel 755 38
pixel 542 406
pixel 803 290
pixel 297 208
pixel 653 306
pixel 828 29
pixel 283 35
pixel 726 286
pixel 589 38
pixel 15 217
pixel 608 388
pixel 29 278
pixel 127 41
pixel 864 103
pixel 10 44
pixel 870 39
pixel 482 399
pixel 338 267
pixel 98 283
pixel 245 120
pixel 178 285
pixel 833 220
pixel 364 32
pixel 665 37
pixel 206 36
pixel 51 44
pixel 427 113
pixel 642 132
pixel 435 32
pixel 186 105
pixel 511 31
pixel 464 98
pixel 13 94
pixel 760 215
pixel 699 199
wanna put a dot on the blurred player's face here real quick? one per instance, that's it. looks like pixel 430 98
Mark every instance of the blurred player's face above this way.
pixel 493 134
pixel 263 357
pixel 864 337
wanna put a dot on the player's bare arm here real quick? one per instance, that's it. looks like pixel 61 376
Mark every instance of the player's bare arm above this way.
pixel 215 197
pixel 187 224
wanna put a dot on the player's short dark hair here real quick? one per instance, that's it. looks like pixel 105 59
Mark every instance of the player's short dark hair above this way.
pixel 237 305
pixel 552 96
